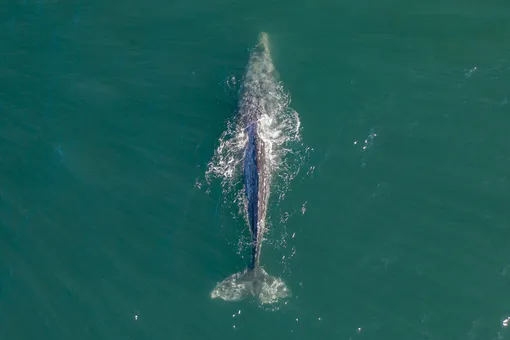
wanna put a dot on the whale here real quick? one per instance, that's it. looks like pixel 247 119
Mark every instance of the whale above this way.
pixel 256 90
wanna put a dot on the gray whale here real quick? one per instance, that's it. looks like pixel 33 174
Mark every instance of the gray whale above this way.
pixel 256 89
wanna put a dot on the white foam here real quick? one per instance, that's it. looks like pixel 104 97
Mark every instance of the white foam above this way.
pixel 279 128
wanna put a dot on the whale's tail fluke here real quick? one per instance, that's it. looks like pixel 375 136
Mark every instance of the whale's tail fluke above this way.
pixel 256 282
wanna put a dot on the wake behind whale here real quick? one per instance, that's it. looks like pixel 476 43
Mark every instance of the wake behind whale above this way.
pixel 254 151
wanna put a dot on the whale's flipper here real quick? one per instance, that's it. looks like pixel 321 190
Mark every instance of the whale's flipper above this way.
pixel 251 282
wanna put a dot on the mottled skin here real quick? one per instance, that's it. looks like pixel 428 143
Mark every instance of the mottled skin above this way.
pixel 256 89
pixel 256 191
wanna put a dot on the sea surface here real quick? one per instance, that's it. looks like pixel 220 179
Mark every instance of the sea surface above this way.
pixel 395 223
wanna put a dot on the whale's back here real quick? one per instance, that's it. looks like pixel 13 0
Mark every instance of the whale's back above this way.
pixel 251 185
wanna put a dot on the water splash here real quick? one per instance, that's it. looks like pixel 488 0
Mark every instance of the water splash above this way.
pixel 280 129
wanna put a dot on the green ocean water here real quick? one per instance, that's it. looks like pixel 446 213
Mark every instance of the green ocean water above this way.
pixel 397 226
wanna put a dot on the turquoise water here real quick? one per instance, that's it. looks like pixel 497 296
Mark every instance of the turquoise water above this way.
pixel 396 227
